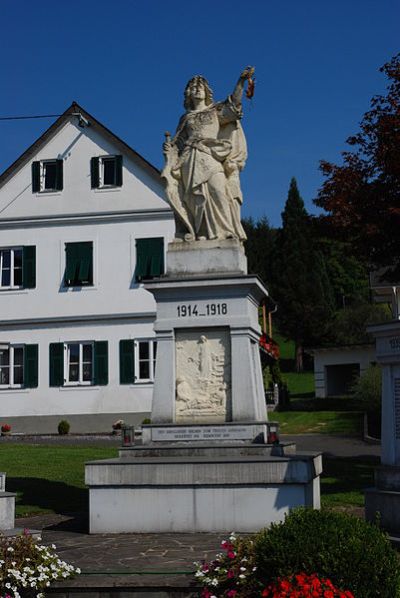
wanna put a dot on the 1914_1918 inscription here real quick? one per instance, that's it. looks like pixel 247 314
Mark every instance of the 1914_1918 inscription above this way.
pixel 186 310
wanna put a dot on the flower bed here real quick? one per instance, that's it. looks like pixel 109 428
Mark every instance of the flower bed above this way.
pixel 28 568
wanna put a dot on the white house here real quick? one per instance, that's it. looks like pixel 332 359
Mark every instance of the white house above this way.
pixel 337 368
pixel 82 220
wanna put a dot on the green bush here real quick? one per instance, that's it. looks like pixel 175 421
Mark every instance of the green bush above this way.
pixel 368 391
pixel 353 554
pixel 146 420
pixel 63 427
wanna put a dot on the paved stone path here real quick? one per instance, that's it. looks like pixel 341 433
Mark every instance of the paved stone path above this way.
pixel 157 561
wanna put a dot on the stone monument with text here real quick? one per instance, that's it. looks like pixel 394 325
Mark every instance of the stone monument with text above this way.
pixel 206 462
pixel 384 498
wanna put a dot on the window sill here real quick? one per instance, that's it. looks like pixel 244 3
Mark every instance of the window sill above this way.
pixel 13 290
pixel 142 383
pixel 12 389
pixel 107 189
pixel 68 387
pixel 73 289
pixel 49 193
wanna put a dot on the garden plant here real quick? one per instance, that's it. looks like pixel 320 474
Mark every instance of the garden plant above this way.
pixel 310 554
pixel 27 569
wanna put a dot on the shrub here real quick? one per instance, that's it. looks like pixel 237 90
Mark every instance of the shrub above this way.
pixel 368 391
pixel 146 420
pixel 26 568
pixel 353 554
pixel 63 427
pixel 5 428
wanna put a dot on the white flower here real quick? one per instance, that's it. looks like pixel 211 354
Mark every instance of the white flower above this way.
pixel 214 582
pixel 242 576
pixel 243 568
pixel 10 549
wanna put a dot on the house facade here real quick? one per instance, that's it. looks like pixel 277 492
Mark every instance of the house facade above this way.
pixel 82 220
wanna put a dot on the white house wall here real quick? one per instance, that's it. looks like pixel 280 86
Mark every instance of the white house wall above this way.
pixel 140 191
pixel 363 356
pixel 116 307
pixel 111 398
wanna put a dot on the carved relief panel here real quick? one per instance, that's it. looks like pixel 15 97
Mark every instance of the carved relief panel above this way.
pixel 203 375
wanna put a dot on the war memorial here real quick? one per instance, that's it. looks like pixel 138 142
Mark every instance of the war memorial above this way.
pixel 207 461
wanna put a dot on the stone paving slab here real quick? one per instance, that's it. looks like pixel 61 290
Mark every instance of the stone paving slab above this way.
pixel 124 560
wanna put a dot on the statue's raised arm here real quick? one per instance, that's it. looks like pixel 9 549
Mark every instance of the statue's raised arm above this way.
pixel 203 161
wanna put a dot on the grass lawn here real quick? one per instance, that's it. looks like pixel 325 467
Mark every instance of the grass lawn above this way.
pixel 322 422
pixel 49 478
pixel 345 478
pixel 299 384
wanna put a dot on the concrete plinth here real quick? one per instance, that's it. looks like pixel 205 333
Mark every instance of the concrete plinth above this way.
pixel 7 510
pixel 206 257
pixel 198 493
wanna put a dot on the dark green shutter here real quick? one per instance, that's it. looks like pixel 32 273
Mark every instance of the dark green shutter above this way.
pixel 149 258
pixel 126 361
pixel 118 171
pixel 94 173
pixel 31 366
pixel 59 175
pixel 100 376
pixel 56 364
pixel 29 267
pixel 35 177
pixel 79 264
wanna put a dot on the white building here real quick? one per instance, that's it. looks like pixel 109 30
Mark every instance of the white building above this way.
pixel 82 220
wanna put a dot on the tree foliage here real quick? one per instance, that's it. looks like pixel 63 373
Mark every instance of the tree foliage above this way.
pixel 302 289
pixel 362 196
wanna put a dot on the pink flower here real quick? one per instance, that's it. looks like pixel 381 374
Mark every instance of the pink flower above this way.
pixel 230 574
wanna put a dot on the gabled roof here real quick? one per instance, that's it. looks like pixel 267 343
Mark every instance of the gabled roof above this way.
pixel 50 132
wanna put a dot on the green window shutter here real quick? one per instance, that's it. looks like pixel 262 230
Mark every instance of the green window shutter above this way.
pixel 59 175
pixel 126 361
pixel 29 267
pixel 149 258
pixel 100 376
pixel 118 173
pixel 35 177
pixel 79 264
pixel 56 353
pixel 31 366
pixel 94 173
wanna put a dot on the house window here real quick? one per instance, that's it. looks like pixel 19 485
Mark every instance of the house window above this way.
pixel 11 366
pixel 78 363
pixel 78 366
pixel 78 264
pixel 149 258
pixel 11 268
pixel 145 360
pixel 47 175
pixel 106 171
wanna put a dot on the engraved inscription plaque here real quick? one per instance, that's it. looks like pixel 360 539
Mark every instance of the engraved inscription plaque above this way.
pixel 203 375
pixel 397 406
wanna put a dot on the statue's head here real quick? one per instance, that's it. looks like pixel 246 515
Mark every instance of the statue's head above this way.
pixel 197 87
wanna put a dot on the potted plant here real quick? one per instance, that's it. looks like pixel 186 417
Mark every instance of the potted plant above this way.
pixel 5 429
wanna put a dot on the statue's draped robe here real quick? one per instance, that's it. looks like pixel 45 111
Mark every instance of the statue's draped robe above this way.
pixel 207 142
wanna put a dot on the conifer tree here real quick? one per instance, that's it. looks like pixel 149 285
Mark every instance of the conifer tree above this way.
pixel 302 287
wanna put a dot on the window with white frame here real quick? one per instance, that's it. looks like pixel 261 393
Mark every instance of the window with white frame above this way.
pixel 47 175
pixel 11 366
pixel 145 360
pixel 78 365
pixel 106 171
pixel 11 267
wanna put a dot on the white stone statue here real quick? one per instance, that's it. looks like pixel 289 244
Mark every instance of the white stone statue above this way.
pixel 203 162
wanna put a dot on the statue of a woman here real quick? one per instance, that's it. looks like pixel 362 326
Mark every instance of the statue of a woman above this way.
pixel 203 161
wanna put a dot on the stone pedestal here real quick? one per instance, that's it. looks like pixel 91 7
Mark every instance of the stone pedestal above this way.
pixel 385 497
pixel 209 460
pixel 7 510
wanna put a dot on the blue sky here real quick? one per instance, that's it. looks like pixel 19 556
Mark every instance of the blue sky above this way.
pixel 127 62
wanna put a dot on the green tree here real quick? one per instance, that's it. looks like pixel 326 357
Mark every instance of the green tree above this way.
pixel 260 247
pixel 302 290
pixel 362 196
